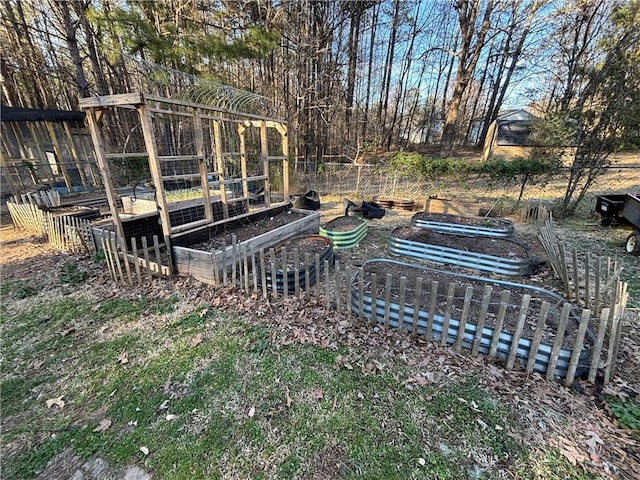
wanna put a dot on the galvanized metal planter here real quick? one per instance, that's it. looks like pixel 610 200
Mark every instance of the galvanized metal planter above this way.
pixel 297 275
pixel 505 339
pixel 446 223
pixel 346 239
pixel 462 258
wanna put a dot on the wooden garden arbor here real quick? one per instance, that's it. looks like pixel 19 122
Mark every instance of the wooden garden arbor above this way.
pixel 217 153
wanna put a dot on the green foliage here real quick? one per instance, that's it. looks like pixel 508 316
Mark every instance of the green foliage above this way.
pixel 415 164
pixel 18 288
pixel 627 413
pixel 72 274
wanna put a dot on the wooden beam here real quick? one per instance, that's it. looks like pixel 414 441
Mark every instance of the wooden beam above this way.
pixel 202 167
pixel 134 98
pixel 217 145
pixel 103 165
pixel 282 130
pixel 154 167
pixel 243 163
pixel 264 155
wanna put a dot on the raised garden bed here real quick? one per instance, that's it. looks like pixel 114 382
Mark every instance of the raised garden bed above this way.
pixel 464 225
pixel 345 232
pixel 496 255
pixel 206 251
pixel 294 263
pixel 485 326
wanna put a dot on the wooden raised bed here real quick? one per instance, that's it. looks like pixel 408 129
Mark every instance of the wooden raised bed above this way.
pixel 464 225
pixel 207 265
pixel 510 258
pixel 528 325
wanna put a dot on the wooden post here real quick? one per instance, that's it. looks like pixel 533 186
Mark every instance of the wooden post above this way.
pixel 282 130
pixel 217 141
pixel 433 301
pixel 486 300
pixel 134 251
pixel 497 329
pixel 401 301
pixel 361 293
pixel 307 278
pixel 447 314
pixel 513 351
pixel 557 343
pixel 537 336
pixel 374 298
pixel 243 163
pixel 263 274
pixel 103 165
pixel 577 346
pixel 416 305
pixel 155 167
pixel 285 271
pixel 202 166
pixel 264 156
pixel 145 252
pixel 463 318
pixel 597 348
pixel 387 301
pixel 327 299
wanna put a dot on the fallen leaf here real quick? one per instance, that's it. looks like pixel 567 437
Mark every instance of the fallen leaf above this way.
pixel 317 393
pixel 252 412
pixel 144 450
pixel 122 358
pixel 422 461
pixel 103 425
pixel 289 399
pixel 197 340
pixel 164 405
pixel 170 417
pixel 58 402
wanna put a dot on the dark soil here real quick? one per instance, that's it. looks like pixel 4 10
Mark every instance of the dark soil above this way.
pixel 498 247
pixel 488 222
pixel 248 230
pixel 343 224
pixel 445 279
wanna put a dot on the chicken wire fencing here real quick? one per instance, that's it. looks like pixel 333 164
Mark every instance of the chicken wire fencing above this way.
pixel 189 163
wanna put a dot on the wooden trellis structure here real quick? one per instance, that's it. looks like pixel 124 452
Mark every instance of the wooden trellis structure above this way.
pixel 45 147
pixel 217 153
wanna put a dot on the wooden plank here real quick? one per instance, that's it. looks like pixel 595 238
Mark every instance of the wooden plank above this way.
pixel 254 272
pixel 497 329
pixel 243 162
pixel 156 249
pixel 337 282
pixel 463 318
pixel 296 280
pixel 123 248
pixel 596 294
pixel 597 348
pixel 401 301
pixel 613 340
pixel 263 273
pixel 576 280
pixel 145 252
pixel 587 280
pixel 374 298
pixel 274 287
pixel 105 171
pixel 234 260
pixel 361 293
pixel 217 148
pixel 347 288
pixel 136 260
pixel 565 273
pixel 515 341
pixel 155 168
pixel 285 271
pixel 282 129
pixel 577 346
pixel 114 248
pixel 557 343
pixel 317 264
pixel 264 156
pixel 447 314
pixel 537 336
pixel 484 307
pixel 307 277
pixel 327 298
pixel 245 268
pixel 107 257
pixel 134 98
pixel 387 300
pixel 433 301
pixel 417 297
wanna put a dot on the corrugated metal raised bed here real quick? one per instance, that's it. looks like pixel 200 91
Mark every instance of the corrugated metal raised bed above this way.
pixel 346 232
pixel 461 225
pixel 511 258
pixel 202 264
pixel 488 339
pixel 295 268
